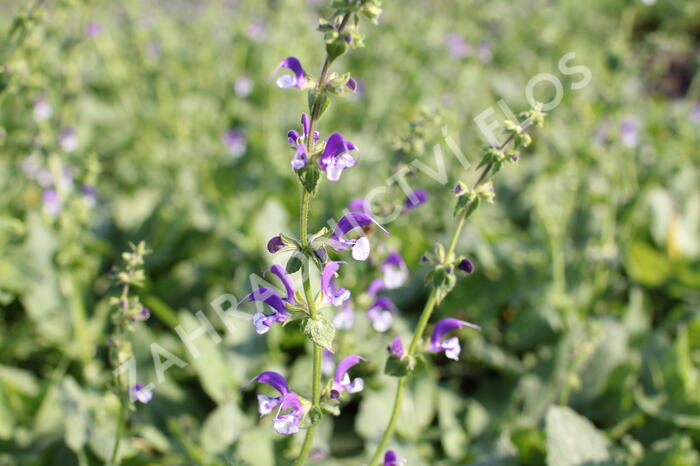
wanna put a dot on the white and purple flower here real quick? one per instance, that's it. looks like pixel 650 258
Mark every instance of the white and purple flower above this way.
pixel 334 296
pixel 341 379
pixel 337 156
pixel 298 141
pixel 380 313
pixel 68 139
pixel 296 79
pixel 235 142
pixel 345 317
pixel 141 393
pixel 396 348
pixel 395 271
pixel 451 345
pixel 629 132
pixel 290 411
pixel 348 223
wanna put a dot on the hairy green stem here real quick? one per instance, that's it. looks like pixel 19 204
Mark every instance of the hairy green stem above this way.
pixel 304 222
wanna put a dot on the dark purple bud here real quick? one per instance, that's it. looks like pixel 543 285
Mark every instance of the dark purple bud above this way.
pixel 396 347
pixel 145 313
pixel 275 244
pixel 348 38
pixel 466 266
pixel 515 158
pixel 457 189
pixel 415 198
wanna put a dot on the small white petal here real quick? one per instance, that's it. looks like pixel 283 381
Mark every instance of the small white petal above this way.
pixel 285 424
pixel 394 277
pixel 360 251
pixel 267 403
pixel 382 321
pixel 286 81
pixel 259 323
pixel 357 385
pixel 452 348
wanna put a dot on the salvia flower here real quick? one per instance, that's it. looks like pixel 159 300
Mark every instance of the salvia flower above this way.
pixel 341 379
pixel 376 286
pixel 262 321
pixel 235 142
pixel 380 313
pixel 275 244
pixel 334 296
pixel 286 280
pixel 466 266
pixel 93 29
pixel 140 393
pixel 290 411
pixel 348 223
pixel 392 459
pixel 457 47
pixel 359 205
pixel 42 110
pixel 68 139
pixel 52 202
pixel 337 156
pixel 300 159
pixel 415 198
pixel 345 317
pixel 629 132
pixel 451 345
pixel 327 363
pixel 395 271
pixel 396 348
pixel 296 79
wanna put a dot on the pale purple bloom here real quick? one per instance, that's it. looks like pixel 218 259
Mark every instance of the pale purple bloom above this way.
pixel 262 321
pixel 334 296
pixel 235 142
pixel 257 30
pixel 275 244
pixel 348 223
pixel 380 313
pixel 695 113
pixel 450 346
pixel 145 313
pixel 359 205
pixel 345 317
pixel 466 266
pixel 140 393
pixel 93 29
pixel 286 280
pixel 415 198
pixel 298 141
pixel 290 411
pixel 296 79
pixel 629 132
pixel 52 202
pixel 337 156
pixel 341 380
pixel 327 363
pixel 42 110
pixel 243 86
pixel 396 348
pixel 395 271
pixel 483 51
pixel 68 139
pixel 376 286
pixel 457 47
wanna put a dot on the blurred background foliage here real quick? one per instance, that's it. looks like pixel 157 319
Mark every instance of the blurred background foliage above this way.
pixel 587 282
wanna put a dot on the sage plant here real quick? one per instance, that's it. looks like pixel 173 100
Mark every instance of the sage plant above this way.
pixel 314 158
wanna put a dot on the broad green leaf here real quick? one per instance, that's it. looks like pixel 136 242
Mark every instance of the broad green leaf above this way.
pixel 222 428
pixel 573 441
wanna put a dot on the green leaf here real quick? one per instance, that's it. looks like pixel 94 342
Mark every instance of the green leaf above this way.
pixel 310 177
pixel 443 282
pixel 222 428
pixel 396 367
pixel 320 331
pixel 293 264
pixel 647 266
pixel 572 440
pixel 331 407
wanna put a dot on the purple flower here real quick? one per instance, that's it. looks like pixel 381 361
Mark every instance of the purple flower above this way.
pixel 286 280
pixel 345 317
pixel 359 205
pixel 145 313
pixel 348 223
pixel 451 345
pixel 351 84
pixel 275 244
pixel 396 347
pixel 376 286
pixel 695 113
pixel 290 411
pixel 262 321
pixel 415 198
pixel 380 313
pixel 629 132
pixel 299 141
pixel 42 110
pixel 68 139
pixel 392 459
pixel 243 86
pixel 296 79
pixel 93 29
pixel 235 142
pixel 52 202
pixel 483 51
pixel 458 189
pixel 466 266
pixel 395 271
pixel 334 296
pixel 457 47
pixel 337 156
pixel 327 363
pixel 140 393
pixel 341 380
